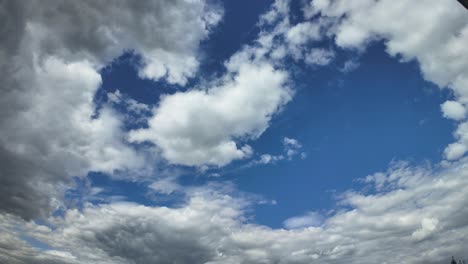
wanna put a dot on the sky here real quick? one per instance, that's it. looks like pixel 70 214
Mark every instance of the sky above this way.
pixel 221 131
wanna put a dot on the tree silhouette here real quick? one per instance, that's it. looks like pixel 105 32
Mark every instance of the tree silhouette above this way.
pixel 464 3
pixel 461 261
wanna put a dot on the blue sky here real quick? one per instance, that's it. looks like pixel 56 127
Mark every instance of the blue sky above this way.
pixel 282 131
pixel 381 112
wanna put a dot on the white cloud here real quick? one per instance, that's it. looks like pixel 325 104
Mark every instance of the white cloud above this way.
pixel 303 33
pixel 428 226
pixel 165 186
pixel 291 148
pixel 455 151
pixel 267 159
pixel 453 110
pixel 130 104
pixel 319 56
pixel 310 219
pixel 201 127
pixel 458 149
pixel 412 33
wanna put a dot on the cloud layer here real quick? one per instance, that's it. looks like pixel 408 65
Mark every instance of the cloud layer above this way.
pixel 412 216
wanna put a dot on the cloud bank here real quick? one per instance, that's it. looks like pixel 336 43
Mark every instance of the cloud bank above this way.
pixel 418 216
pixel 50 56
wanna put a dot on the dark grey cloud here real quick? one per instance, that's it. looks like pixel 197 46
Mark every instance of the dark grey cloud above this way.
pixel 25 189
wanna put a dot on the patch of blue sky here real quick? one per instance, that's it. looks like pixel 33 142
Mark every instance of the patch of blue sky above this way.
pixel 350 124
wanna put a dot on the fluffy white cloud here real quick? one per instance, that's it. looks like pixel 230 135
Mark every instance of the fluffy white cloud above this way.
pixel 458 149
pixel 303 33
pixel 412 33
pixel 310 219
pixel 455 151
pixel 201 127
pixel 453 110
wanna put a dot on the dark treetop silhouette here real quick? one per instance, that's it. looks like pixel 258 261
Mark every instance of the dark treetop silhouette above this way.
pixel 464 3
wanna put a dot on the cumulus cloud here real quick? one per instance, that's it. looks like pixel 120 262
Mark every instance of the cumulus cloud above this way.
pixel 50 57
pixel 457 150
pixel 453 110
pixel 200 127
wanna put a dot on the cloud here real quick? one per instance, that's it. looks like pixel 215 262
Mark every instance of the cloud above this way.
pixel 458 149
pixel 51 55
pixel 99 32
pixel 417 210
pixel 428 226
pixel 201 127
pixel 291 149
pixel 165 186
pixel 55 137
pixel 453 110
pixel 308 220
pixel 268 159
pixel 318 56
pixel 283 39
pixel 14 250
pixel 303 33
pixel 350 66
pixel 135 113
